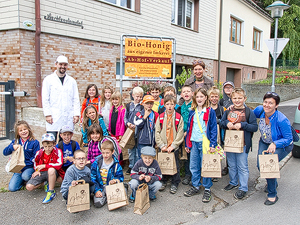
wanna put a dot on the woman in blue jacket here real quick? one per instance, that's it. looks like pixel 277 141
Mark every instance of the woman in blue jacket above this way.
pixel 276 136
pixel 25 138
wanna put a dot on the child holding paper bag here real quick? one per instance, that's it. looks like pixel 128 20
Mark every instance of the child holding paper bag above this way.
pixel 239 117
pixel 202 123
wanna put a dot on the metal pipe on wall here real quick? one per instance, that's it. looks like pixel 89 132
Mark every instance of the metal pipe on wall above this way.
pixel 38 52
pixel 220 40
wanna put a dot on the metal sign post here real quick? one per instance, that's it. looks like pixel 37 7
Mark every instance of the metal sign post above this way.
pixel 154 38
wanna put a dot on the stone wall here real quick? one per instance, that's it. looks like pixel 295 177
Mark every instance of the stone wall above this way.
pixel 255 92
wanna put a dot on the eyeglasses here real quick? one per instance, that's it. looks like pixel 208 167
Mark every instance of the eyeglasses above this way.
pixel 197 62
pixel 81 159
pixel 272 93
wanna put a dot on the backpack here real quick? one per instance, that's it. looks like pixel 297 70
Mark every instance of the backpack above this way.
pixel 61 146
pixel 177 119
pixel 294 133
pixel 92 103
pixel 117 147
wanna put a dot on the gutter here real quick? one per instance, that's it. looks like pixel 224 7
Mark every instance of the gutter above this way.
pixel 220 40
pixel 38 52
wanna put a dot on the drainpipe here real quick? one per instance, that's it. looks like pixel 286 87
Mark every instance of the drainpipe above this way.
pixel 220 40
pixel 38 52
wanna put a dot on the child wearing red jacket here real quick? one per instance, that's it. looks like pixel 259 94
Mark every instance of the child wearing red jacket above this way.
pixel 48 163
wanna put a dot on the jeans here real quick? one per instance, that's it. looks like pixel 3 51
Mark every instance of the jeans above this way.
pixel 187 166
pixel 132 156
pixel 195 166
pixel 139 148
pixel 17 180
pixel 153 188
pixel 272 183
pixel 238 169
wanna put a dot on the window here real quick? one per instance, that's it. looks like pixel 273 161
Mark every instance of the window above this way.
pixel 256 39
pixel 130 4
pixel 185 13
pixel 235 30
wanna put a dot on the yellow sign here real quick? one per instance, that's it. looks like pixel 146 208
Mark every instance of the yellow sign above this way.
pixel 148 58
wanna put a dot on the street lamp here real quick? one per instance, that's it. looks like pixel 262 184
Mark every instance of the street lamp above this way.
pixel 276 9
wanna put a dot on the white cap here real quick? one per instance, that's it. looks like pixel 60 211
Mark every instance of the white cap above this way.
pixel 62 59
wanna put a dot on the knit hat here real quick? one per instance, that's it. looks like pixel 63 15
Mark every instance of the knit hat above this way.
pixel 62 59
pixel 66 128
pixel 147 150
pixel 228 82
pixel 48 137
pixel 148 98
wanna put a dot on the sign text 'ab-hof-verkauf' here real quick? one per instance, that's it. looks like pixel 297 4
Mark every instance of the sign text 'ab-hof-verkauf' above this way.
pixel 148 58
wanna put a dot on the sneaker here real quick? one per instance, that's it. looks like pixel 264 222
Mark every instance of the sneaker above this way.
pixel 206 196
pixel 46 187
pixel 225 171
pixel 186 180
pixel 163 186
pixel 230 187
pixel 191 192
pixel 153 199
pixel 128 171
pixel 239 194
pixel 131 198
pixel 215 179
pixel 173 189
pixel 49 197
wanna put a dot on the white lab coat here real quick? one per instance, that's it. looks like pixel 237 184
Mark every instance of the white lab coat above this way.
pixel 60 101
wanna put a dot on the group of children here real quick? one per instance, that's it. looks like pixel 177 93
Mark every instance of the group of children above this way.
pixel 160 124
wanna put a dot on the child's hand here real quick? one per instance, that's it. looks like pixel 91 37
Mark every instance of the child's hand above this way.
pixel 36 173
pixel 238 126
pixel 230 126
pixel 147 113
pixel 70 158
pixel 184 134
pixel 65 159
pixel 212 149
pixel 187 150
pixel 98 194
pixel 113 181
pixel 147 179
pixel 164 149
pixel 142 176
pixel 15 146
pixel 119 138
pixel 170 149
pixel 40 167
pixel 74 183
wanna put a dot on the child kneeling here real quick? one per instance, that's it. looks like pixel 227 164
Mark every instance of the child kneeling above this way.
pixel 48 167
pixel 77 171
pixel 146 170
pixel 105 170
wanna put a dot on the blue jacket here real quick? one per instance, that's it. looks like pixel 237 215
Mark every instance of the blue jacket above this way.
pixel 211 128
pixel 248 128
pixel 30 149
pixel 101 123
pixel 131 111
pixel 145 135
pixel 114 172
pixel 280 127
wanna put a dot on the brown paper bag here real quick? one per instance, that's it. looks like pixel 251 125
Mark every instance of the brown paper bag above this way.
pixel 116 196
pixel 127 142
pixel 219 134
pixel 211 166
pixel 234 141
pixel 142 203
pixel 17 161
pixel 269 165
pixel 167 163
pixel 182 152
pixel 79 197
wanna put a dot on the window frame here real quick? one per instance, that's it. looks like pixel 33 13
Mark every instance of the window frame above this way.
pixel 257 39
pixel 240 22
pixel 194 14
pixel 134 4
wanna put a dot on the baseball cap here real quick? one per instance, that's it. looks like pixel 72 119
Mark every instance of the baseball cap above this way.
pixel 66 128
pixel 48 137
pixel 62 59
pixel 228 82
pixel 148 98
pixel 147 150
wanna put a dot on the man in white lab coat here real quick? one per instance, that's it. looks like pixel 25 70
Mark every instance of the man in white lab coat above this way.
pixel 60 98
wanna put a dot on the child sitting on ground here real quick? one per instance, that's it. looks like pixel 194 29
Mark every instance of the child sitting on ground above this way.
pixel 47 164
pixel 105 170
pixel 77 171
pixel 146 170
pixel 67 146
pixel 168 136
